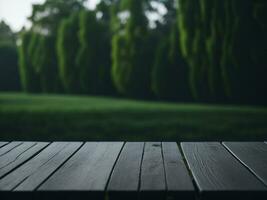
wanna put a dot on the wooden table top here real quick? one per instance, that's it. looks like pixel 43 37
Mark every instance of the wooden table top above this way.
pixel 133 170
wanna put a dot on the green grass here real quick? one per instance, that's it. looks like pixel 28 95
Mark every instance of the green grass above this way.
pixel 55 117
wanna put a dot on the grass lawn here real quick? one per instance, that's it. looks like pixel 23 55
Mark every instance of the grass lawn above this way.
pixel 55 117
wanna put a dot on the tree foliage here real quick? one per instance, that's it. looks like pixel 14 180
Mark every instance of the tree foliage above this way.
pixel 46 17
pixel 170 72
pixel 67 48
pixel 224 43
pixel 94 58
pixel 131 59
pixel 9 75
pixel 213 51
pixel 30 80
pixel 46 63
pixel 7 37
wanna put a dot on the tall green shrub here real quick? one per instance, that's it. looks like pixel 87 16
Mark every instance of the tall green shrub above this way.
pixel 30 79
pixel 47 65
pixel 94 58
pixel 192 45
pixel 132 60
pixel 46 19
pixel 224 43
pixel 170 73
pixel 67 50
pixel 9 76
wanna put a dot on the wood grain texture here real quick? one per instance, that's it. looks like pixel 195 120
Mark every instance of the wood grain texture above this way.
pixel 3 143
pixel 152 183
pixel 17 155
pixel 125 176
pixel 179 183
pixel 87 170
pixel 124 180
pixel 151 170
pixel 9 147
pixel 30 175
pixel 253 155
pixel 218 174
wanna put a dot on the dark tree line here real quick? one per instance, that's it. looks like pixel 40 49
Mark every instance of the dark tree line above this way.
pixel 224 43
pixel 196 50
pixel 9 75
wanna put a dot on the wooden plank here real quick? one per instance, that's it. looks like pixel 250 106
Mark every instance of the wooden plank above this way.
pixel 87 171
pixel 9 147
pixel 14 157
pixel 253 155
pixel 30 175
pixel 124 180
pixel 3 143
pixel 152 184
pixel 179 183
pixel 218 174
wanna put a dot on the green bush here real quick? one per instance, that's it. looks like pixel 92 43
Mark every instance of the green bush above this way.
pixel 132 60
pixel 9 76
pixel 94 57
pixel 67 50
pixel 47 65
pixel 224 43
pixel 170 73
pixel 30 79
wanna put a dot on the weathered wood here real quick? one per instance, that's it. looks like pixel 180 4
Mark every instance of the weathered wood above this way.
pixel 153 170
pixel 218 174
pixel 17 155
pixel 3 143
pixel 253 155
pixel 152 184
pixel 179 183
pixel 124 180
pixel 87 170
pixel 9 147
pixel 30 175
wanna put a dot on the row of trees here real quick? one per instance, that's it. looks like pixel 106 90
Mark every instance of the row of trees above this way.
pixel 225 46
pixel 39 60
pixel 67 49
pixel 203 50
pixel 100 52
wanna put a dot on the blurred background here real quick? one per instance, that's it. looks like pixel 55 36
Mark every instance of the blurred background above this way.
pixel 133 69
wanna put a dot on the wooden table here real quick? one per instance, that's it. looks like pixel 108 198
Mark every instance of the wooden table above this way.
pixel 133 170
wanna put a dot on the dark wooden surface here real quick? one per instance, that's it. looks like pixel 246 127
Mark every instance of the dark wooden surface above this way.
pixel 253 155
pixel 152 183
pixel 9 147
pixel 133 170
pixel 88 169
pixel 30 175
pixel 218 174
pixel 179 183
pixel 124 180
pixel 16 153
pixel 3 143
